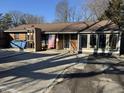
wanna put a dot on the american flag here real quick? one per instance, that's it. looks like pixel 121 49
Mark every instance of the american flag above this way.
pixel 51 41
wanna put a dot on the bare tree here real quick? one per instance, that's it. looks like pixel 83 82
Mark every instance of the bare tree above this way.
pixel 75 14
pixel 16 17
pixel 86 14
pixel 90 11
pixel 65 13
pixel 62 11
pixel 98 7
pixel 31 19
pixel 24 18
pixel 81 13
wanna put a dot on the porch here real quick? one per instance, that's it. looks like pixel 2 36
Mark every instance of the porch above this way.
pixel 59 41
pixel 99 43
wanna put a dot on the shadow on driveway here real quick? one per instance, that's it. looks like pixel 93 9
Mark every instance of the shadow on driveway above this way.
pixel 13 56
pixel 29 70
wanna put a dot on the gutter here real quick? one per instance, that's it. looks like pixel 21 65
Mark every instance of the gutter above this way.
pixel 7 31
pixel 60 32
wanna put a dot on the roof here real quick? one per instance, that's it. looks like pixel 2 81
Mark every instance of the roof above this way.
pixel 67 27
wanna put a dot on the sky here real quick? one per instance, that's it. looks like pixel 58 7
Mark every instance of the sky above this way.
pixel 44 8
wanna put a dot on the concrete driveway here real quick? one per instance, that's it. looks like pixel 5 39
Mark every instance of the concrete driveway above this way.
pixel 33 72
pixel 99 75
pixel 36 72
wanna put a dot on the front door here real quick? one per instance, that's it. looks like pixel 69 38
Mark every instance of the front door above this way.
pixel 66 41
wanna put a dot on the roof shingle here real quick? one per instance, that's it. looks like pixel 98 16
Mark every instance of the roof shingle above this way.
pixel 69 27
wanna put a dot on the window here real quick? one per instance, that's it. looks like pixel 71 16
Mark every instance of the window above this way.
pixel 84 41
pixel 113 41
pixel 44 39
pixel 92 41
pixel 102 40
pixel 16 36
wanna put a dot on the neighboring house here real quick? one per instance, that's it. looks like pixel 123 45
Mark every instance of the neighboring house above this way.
pixel 92 37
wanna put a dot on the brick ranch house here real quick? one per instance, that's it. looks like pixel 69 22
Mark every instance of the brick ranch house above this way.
pixel 92 37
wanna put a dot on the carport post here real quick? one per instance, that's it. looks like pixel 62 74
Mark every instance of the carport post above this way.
pixel 79 44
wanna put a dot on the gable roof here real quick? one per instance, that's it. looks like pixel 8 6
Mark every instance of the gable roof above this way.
pixel 67 27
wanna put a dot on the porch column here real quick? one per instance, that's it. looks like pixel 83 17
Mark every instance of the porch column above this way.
pixel 119 42
pixel 97 44
pixel 88 41
pixel 107 42
pixel 79 50
pixel 34 40
pixel 57 42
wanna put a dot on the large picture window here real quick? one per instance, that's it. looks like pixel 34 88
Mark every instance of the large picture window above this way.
pixel 92 41
pixel 102 40
pixel 113 41
pixel 84 41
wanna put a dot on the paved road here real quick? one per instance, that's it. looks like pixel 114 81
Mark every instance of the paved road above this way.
pixel 33 72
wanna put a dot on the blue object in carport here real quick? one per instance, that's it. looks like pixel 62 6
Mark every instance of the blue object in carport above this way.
pixel 18 44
